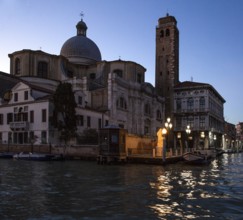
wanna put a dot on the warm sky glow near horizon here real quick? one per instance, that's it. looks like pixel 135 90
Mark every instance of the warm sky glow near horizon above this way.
pixel 211 36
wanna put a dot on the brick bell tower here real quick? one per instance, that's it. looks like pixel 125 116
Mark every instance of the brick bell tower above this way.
pixel 167 60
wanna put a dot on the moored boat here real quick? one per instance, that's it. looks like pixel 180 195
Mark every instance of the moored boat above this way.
pixel 6 155
pixel 196 157
pixel 37 156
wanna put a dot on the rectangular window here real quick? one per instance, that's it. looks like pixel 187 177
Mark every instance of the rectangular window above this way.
pixel 25 116
pixel 1 119
pixel 15 138
pixel 88 121
pixel 80 120
pixel 43 137
pixel 80 100
pixel 9 117
pixel 202 122
pixel 26 95
pixel 99 122
pixel 9 137
pixel 32 136
pixel 43 115
pixel 42 69
pixel 32 116
pixel 15 97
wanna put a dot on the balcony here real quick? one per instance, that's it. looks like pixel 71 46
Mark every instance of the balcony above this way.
pixel 19 125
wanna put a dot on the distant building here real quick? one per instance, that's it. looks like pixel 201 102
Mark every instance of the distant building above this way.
pixel 239 135
pixel 201 107
pixel 229 138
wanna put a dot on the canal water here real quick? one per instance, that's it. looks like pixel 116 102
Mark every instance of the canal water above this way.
pixel 84 190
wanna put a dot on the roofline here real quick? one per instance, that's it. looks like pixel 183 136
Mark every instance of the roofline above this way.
pixel 198 85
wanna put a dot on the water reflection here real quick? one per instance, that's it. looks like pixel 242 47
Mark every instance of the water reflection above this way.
pixel 85 190
pixel 188 193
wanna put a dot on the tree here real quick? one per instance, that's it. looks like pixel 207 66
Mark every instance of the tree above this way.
pixel 64 116
pixel 88 136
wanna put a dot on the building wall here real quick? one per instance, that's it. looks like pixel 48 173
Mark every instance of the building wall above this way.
pixel 126 104
pixel 202 109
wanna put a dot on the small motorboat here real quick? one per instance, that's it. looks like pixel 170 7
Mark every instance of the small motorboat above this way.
pixel 196 157
pixel 37 156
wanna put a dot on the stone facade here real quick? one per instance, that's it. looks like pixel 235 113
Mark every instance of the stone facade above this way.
pixel 106 92
pixel 199 106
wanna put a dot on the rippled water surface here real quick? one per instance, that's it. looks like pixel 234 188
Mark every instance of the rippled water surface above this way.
pixel 85 190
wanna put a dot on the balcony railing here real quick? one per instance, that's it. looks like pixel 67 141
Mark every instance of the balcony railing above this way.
pixel 22 125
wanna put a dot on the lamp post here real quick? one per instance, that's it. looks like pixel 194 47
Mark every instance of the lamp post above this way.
pixel 164 132
pixel 188 131
pixel 168 126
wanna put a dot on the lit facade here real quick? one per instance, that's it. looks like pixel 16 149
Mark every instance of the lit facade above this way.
pixel 201 107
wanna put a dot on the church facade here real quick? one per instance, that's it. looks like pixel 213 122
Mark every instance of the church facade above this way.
pixel 106 93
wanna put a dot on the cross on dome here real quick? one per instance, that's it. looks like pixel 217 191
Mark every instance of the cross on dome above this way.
pixel 81 15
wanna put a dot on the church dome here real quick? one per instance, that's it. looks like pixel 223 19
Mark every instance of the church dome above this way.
pixel 80 49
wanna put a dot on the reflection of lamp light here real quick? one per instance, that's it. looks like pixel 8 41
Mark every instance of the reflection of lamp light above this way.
pixel 188 131
pixel 214 137
pixel 179 135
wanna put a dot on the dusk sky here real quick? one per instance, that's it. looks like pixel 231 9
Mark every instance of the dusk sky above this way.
pixel 211 36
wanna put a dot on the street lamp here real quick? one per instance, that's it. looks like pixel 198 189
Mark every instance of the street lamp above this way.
pixel 188 131
pixel 168 126
pixel 164 132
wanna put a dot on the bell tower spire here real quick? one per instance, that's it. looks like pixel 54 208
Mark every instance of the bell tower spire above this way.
pixel 167 60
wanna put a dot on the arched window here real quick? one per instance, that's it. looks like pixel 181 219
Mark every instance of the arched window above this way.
pixel 42 69
pixel 118 72
pixel 147 109
pixel 167 32
pixel 17 66
pixel 121 103
pixel 161 33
